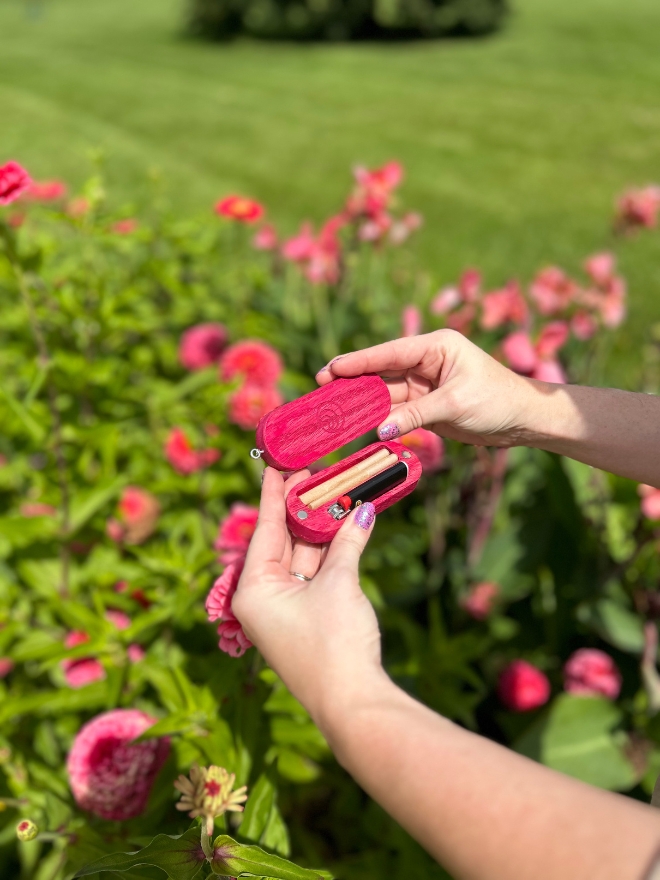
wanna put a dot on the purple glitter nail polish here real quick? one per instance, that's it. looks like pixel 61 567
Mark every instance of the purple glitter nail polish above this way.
pixel 366 514
pixel 389 432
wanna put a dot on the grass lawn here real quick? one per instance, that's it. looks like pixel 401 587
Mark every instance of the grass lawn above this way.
pixel 515 146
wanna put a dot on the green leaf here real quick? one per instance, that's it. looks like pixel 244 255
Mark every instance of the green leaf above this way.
pixel 84 506
pixel 615 623
pixel 180 857
pixel 276 835
pixel 233 859
pixel 257 809
pixel 177 722
pixel 33 427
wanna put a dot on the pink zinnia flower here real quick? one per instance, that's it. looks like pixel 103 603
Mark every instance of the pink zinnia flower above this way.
pixel 323 266
pixel 480 599
pixel 239 208
pixel 14 181
pixel 125 227
pixel 553 291
pixel 80 671
pixel 299 248
pixel 427 446
pixel 411 321
pixel 374 189
pixel 503 306
pixel 183 458
pixel 375 228
pixel 583 325
pixel 650 501
pixel 638 207
pixel 253 360
pixel 251 403
pixel 600 267
pixel 265 239
pixel 590 672
pixel 36 508
pixel 522 687
pixel 135 653
pixel 401 230
pixel 46 190
pixel 235 532
pixel 202 345
pixel 6 666
pixel 109 774
pixel 218 607
pixel 119 619
pixel 445 300
pixel 138 514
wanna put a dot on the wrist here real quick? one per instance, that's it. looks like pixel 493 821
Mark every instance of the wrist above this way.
pixel 548 416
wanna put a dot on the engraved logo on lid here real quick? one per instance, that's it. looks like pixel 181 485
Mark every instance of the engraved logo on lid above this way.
pixel 330 417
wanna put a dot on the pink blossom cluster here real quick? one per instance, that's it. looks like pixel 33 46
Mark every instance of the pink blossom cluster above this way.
pixel 259 368
pixel 218 607
pixel 109 774
pixel 366 217
pixel 566 306
pixel 183 457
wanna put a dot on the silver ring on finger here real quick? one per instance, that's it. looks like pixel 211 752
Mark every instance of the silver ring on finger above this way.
pixel 301 577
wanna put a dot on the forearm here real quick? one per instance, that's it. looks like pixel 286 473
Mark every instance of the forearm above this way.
pixel 482 811
pixel 616 431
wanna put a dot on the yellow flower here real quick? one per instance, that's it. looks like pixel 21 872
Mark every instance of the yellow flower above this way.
pixel 208 792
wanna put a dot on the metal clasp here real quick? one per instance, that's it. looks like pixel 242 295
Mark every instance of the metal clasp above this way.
pixel 256 453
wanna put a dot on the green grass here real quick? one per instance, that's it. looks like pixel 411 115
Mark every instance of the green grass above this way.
pixel 515 146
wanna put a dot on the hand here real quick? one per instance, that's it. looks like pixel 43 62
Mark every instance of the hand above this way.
pixel 320 636
pixel 443 382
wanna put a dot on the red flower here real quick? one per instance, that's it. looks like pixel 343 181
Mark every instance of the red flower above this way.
pixel 522 687
pixel 80 671
pixel 138 514
pixel 253 360
pixel 240 208
pixel 480 599
pixel 202 345
pixel 110 775
pixel 14 181
pixel 650 501
pixel 125 227
pixel 46 190
pixel 251 403
pixel 218 607
pixel 265 239
pixel 235 532
pixel 183 458
pixel 427 446
pixel 590 672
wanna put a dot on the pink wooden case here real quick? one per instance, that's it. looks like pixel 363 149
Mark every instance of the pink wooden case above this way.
pixel 298 433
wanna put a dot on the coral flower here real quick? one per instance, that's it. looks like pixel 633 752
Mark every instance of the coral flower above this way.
pixel 553 291
pixel 522 687
pixel 504 306
pixel 202 345
pixel 78 207
pixel 427 446
pixel 539 359
pixel 239 208
pixel 590 672
pixel 650 501
pixel 299 248
pixel 14 181
pixel 109 774
pixel 600 267
pixel 183 458
pixel 233 640
pixel 411 321
pixel 138 514
pixel 253 360
pixel 638 207
pixel 265 239
pixel 80 671
pixel 583 325
pixel 125 227
pixel 373 190
pixel 46 190
pixel 480 599
pixel 251 403
pixel 235 532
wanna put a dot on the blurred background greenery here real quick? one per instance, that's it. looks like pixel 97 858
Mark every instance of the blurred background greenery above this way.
pixel 515 145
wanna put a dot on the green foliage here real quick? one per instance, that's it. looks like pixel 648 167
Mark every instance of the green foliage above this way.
pixel 91 386
pixel 343 19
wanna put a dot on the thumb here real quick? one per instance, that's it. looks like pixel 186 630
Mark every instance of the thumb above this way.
pixel 351 539
pixel 423 412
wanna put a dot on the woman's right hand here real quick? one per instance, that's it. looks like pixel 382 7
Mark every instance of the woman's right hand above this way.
pixel 443 382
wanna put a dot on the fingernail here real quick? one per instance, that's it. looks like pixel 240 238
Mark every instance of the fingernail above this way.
pixel 365 515
pixel 329 365
pixel 389 432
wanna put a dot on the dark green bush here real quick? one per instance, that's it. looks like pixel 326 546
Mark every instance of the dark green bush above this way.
pixel 343 19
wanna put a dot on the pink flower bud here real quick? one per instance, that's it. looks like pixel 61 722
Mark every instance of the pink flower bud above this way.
pixel 522 687
pixel 592 672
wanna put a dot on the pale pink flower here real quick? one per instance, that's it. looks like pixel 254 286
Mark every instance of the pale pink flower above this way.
pixel 469 285
pixel 600 267
pixel 119 619
pixel 650 501
pixel 411 321
pixel 550 371
pixel 376 228
pixel 36 508
pixel 480 599
pixel 553 291
pixel 251 403
pixel 299 248
pixel 324 265
pixel 125 227
pixel 522 687
pixel 233 640
pixel 265 239
pixel 373 190
pixel 461 320
pixel 253 360
pixel 235 532
pixel 539 359
pixel 401 230
pixel 519 352
pixel 503 306
pixel 138 514
pixel 583 325
pixel 202 345
pixel 14 181
pixel 46 190
pixel 78 207
pixel 135 653
pixel 109 774
pixel 445 300
pixel 590 672
pixel 6 666
pixel 638 207
pixel 183 457
pixel 427 446
pixel 80 671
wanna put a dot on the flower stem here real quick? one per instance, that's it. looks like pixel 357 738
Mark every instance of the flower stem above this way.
pixel 207 846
